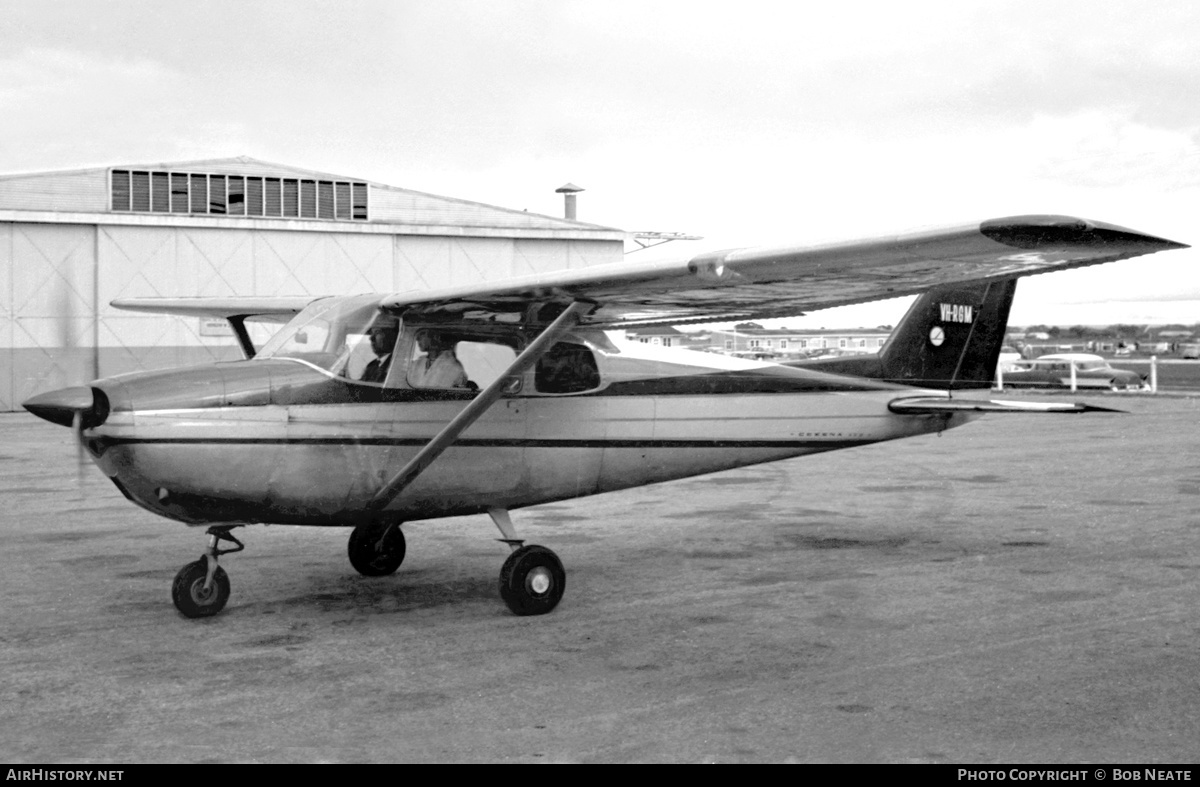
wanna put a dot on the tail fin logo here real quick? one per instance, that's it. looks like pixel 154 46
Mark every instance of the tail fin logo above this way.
pixel 954 312
pixel 937 336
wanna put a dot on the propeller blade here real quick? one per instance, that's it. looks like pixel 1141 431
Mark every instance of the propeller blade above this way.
pixel 80 457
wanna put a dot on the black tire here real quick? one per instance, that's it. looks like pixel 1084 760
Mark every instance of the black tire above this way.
pixel 187 591
pixel 373 557
pixel 532 580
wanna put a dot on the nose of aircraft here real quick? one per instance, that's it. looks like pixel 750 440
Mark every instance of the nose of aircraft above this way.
pixel 60 407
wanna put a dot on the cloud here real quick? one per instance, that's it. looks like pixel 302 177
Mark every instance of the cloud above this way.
pixel 74 107
pixel 752 123
pixel 1098 149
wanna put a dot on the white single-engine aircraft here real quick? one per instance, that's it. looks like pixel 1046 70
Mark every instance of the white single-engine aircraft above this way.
pixel 374 410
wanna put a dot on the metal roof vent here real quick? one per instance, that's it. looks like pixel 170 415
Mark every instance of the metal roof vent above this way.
pixel 568 191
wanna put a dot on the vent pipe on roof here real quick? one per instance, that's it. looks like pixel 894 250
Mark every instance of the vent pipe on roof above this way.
pixel 568 191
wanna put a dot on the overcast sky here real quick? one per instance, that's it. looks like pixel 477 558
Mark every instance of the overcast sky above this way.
pixel 745 122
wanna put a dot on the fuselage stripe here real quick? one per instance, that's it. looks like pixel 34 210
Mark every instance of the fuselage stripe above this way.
pixel 490 443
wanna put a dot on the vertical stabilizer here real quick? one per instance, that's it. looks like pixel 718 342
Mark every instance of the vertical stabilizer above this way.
pixel 950 339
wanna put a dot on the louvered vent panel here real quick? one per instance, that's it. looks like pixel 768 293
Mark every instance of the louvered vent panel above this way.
pixel 274 197
pixel 199 193
pixel 141 191
pixel 160 192
pixel 120 189
pixel 216 194
pixel 308 199
pixel 343 200
pixel 254 196
pixel 291 198
pixel 236 203
pixel 360 201
pixel 324 200
pixel 179 192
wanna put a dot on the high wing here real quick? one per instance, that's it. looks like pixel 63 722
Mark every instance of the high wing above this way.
pixel 745 284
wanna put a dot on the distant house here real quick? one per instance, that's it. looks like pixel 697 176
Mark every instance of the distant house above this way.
pixel 749 339
pixel 667 336
pixel 785 342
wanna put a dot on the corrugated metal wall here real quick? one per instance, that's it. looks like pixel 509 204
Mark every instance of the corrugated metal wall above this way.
pixel 427 262
pixel 81 191
pixel 49 307
pixel 7 397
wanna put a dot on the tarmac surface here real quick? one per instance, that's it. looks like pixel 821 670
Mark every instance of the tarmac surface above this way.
pixel 1023 589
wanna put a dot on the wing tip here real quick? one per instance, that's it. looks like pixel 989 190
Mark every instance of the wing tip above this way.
pixel 1034 232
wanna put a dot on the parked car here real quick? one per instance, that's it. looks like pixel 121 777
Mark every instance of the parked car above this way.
pixel 1054 371
pixel 1008 355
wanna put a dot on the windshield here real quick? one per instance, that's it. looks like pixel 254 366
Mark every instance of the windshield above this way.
pixel 333 334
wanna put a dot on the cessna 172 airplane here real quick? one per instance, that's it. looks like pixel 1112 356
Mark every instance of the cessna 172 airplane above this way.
pixel 370 411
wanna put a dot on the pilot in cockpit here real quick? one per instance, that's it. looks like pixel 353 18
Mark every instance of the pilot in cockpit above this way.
pixel 383 341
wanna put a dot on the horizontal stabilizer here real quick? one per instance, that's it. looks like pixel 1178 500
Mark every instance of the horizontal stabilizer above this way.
pixel 280 307
pixel 933 405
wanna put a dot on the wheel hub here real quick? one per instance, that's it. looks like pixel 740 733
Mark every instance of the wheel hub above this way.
pixel 199 594
pixel 539 581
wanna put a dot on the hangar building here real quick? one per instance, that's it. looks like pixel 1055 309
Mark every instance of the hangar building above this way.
pixel 73 241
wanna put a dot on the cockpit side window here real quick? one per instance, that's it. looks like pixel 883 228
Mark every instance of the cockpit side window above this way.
pixel 567 368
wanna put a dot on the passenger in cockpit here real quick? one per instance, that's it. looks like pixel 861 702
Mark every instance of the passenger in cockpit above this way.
pixel 437 366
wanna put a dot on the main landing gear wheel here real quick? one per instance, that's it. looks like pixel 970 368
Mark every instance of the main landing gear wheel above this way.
pixel 532 580
pixel 376 550
pixel 189 594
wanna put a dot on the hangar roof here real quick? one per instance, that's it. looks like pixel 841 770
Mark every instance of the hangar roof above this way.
pixel 231 191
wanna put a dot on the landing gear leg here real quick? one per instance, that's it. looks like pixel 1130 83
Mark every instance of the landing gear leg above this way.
pixel 532 579
pixel 201 589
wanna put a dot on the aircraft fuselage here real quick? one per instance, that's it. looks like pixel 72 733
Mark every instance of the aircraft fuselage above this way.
pixel 277 441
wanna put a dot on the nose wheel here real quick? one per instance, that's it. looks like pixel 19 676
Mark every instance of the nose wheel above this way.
pixel 192 597
pixel 201 588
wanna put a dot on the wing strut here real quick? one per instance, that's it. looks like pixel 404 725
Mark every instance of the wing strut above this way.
pixel 477 407
pixel 238 323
